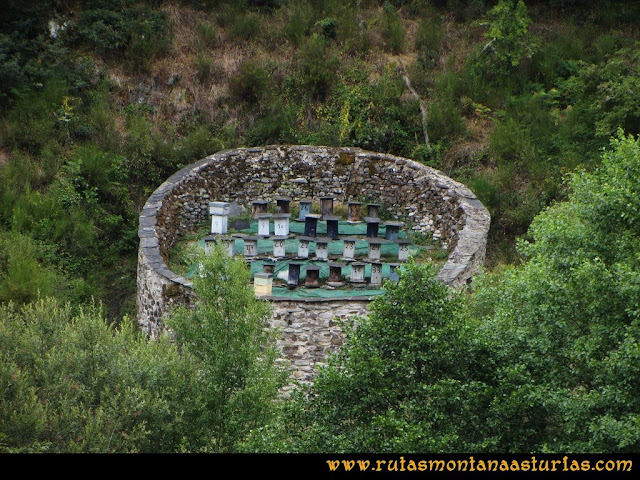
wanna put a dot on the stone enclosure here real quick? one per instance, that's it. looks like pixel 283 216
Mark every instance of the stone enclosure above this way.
pixel 424 198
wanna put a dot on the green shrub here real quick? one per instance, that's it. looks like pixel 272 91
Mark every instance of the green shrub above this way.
pixel 140 143
pixel 428 40
pixel 318 67
pixel 576 296
pixel 364 112
pixel 245 27
pixel 23 277
pixel 444 119
pixel 430 155
pixel 80 385
pixel 250 83
pixel 486 187
pixel 609 43
pixel 145 46
pixel 92 169
pixel 40 115
pixel 276 126
pixel 510 41
pixel 327 27
pixel 235 354
pixel 392 29
pixel 204 67
pixel 101 116
pixel 21 174
pixel 603 97
pixel 23 46
pixel 511 143
pixel 138 32
pixel 104 30
pixel 197 143
pixel 474 84
pixel 34 61
pixel 207 35
pixel 298 20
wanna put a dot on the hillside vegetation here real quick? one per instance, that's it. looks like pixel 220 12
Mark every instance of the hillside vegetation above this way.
pixel 103 100
pixel 535 106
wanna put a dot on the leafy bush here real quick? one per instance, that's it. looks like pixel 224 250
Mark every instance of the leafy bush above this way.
pixel 149 41
pixel 576 305
pixel 207 35
pixel 204 67
pixel 327 27
pixel 318 66
pixel 72 383
pixel 510 41
pixel 138 32
pixel 374 114
pixel 555 59
pixel 298 20
pixel 40 116
pixel 31 55
pixel 428 40
pixel 23 277
pixel 142 165
pixel 430 155
pixel 392 29
pixel 444 120
pixel 245 27
pixel 250 83
pixel 104 30
pixel 100 118
pixel 603 98
pixel 276 126
pixel 234 353
pixel 199 142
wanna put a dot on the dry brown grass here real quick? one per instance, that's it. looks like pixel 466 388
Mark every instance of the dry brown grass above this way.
pixel 188 93
pixel 175 90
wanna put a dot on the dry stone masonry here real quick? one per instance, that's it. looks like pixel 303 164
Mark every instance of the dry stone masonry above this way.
pixel 428 201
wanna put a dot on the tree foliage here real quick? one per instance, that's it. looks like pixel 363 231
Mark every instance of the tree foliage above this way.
pixel 603 97
pixel 546 353
pixel 398 383
pixel 69 382
pixel 565 324
pixel 542 357
pixel 510 39
pixel 235 354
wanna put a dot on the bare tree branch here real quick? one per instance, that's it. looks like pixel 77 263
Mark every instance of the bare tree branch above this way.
pixel 423 108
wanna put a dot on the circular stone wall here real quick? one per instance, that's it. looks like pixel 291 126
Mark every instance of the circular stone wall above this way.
pixel 429 201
